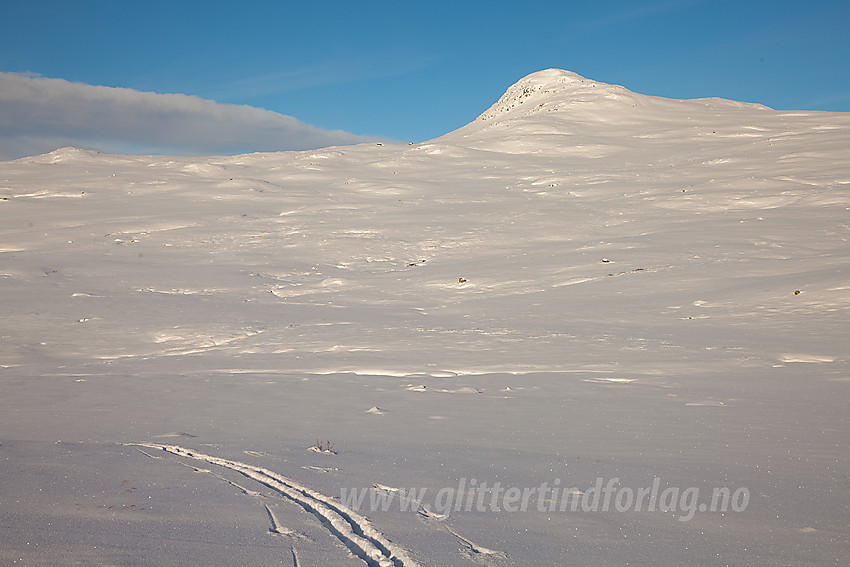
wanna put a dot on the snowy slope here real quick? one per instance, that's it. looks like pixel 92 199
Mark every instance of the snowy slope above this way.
pixel 582 283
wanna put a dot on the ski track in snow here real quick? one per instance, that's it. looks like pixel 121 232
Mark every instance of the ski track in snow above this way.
pixel 277 529
pixel 352 529
pixel 471 549
pixel 235 485
pixel 475 551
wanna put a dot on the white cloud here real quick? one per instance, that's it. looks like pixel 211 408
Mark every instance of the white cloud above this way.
pixel 38 115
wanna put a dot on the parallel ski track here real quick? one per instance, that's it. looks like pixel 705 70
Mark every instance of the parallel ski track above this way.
pixel 352 529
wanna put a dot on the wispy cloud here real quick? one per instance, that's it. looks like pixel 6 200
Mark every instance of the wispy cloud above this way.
pixel 641 11
pixel 337 71
pixel 39 114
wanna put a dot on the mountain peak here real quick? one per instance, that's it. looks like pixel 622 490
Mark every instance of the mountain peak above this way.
pixel 537 112
pixel 551 76
pixel 534 90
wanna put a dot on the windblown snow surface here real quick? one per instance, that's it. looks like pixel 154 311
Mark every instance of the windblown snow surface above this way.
pixel 584 285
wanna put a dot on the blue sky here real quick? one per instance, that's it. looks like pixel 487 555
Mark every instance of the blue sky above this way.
pixel 391 70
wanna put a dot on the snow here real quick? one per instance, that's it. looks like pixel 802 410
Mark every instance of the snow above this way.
pixel 583 283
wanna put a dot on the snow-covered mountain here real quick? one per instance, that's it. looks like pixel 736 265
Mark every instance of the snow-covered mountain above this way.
pixel 583 283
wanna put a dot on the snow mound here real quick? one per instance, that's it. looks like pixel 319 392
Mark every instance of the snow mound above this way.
pixel 65 154
pixel 556 89
pixel 533 92
pixel 557 112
